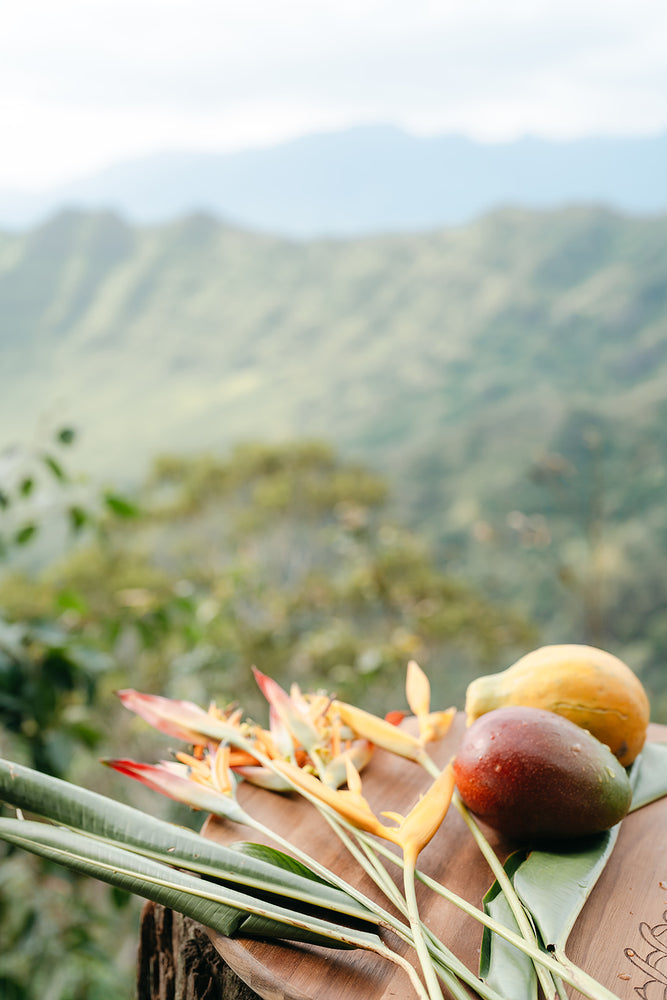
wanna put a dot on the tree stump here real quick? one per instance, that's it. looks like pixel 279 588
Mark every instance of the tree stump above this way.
pixel 178 962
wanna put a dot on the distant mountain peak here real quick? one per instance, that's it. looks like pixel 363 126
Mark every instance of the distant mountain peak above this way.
pixel 366 179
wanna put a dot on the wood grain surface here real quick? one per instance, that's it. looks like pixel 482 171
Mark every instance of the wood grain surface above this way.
pixel 629 899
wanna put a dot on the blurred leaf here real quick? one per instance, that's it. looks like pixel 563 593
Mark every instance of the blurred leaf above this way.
pixel 71 600
pixel 26 487
pixel 120 506
pixel 78 518
pixel 66 435
pixel 54 467
pixel 24 534
pixel 120 897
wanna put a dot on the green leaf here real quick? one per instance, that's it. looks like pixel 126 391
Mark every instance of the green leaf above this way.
pixel 66 435
pixel 71 600
pixel 648 775
pixel 120 506
pixel 509 971
pixel 554 885
pixel 116 822
pixel 26 487
pixel 275 857
pixel 54 466
pixel 78 518
pixel 24 534
pixel 226 910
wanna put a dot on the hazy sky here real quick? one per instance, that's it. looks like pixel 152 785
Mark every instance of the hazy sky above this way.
pixel 84 83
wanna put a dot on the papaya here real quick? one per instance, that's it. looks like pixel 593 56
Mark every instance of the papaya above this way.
pixel 538 778
pixel 591 687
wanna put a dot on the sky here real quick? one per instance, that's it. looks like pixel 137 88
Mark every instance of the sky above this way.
pixel 88 83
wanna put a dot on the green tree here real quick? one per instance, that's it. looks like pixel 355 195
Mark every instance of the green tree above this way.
pixel 49 679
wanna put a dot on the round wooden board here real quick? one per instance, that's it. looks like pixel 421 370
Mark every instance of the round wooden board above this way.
pixel 632 891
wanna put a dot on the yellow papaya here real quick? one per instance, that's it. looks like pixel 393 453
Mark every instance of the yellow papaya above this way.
pixel 589 686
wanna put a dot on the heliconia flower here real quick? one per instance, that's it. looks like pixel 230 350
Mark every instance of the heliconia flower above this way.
pixel 290 712
pixel 436 725
pixel 281 738
pixel 352 806
pixel 263 777
pixel 335 773
pixel 412 832
pixel 425 818
pixel 432 725
pixel 386 733
pixel 304 729
pixel 182 719
pixel 417 690
pixel 175 781
pixel 379 732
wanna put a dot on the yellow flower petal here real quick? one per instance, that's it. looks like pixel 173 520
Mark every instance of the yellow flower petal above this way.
pixel 425 817
pixel 397 817
pixel 379 731
pixel 352 776
pixel 350 806
pixel 220 770
pixel 335 772
pixel 436 725
pixel 417 689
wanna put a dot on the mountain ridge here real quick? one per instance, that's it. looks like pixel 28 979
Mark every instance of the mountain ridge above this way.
pixel 508 378
pixel 365 180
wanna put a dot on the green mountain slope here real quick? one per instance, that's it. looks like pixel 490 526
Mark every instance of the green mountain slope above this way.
pixel 509 370
pixel 195 334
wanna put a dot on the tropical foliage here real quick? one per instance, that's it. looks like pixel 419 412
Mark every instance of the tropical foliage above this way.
pixel 279 555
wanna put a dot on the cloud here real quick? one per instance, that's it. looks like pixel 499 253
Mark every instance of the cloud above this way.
pixel 120 78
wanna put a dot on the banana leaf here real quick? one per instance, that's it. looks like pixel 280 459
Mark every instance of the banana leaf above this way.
pixel 501 965
pixel 122 825
pixel 648 775
pixel 223 909
pixel 273 856
pixel 554 885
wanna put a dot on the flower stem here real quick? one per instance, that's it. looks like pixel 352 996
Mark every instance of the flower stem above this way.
pixel 505 883
pixel 570 973
pixel 434 991
pixel 407 967
pixel 452 969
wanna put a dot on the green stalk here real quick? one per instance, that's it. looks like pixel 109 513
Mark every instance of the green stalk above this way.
pixel 570 973
pixel 392 956
pixel 434 991
pixel 505 883
pixel 451 968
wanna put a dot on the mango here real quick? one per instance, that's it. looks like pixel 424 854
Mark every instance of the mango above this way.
pixel 538 778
